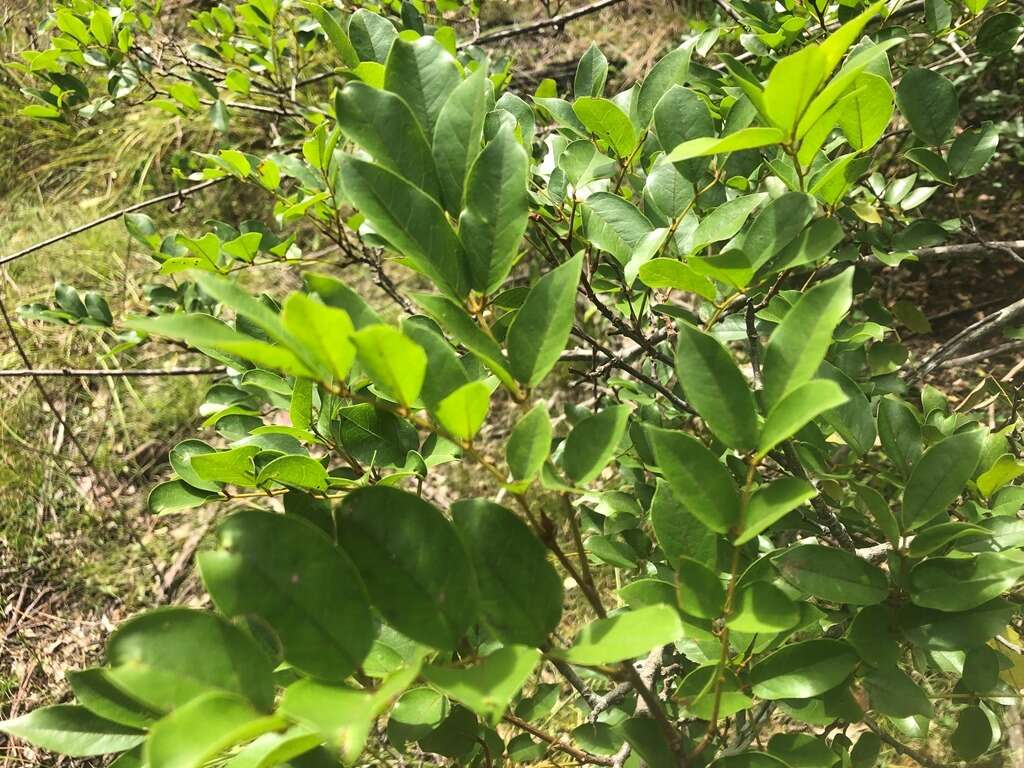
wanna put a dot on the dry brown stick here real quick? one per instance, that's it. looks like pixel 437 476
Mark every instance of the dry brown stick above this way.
pixel 969 335
pixel 117 372
pixel 179 193
pixel 536 26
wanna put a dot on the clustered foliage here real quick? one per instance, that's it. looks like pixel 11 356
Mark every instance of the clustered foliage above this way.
pixel 790 523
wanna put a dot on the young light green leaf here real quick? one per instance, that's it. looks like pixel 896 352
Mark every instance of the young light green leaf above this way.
pixel 605 120
pixel 793 82
pixel 625 635
pixel 798 345
pixel 329 24
pixel 699 480
pixel 462 412
pixel 541 328
pixel 71 730
pixel 716 388
pixel 392 360
pixel 761 607
pixel 771 502
pixel 798 408
pixel 488 687
pixel 745 138
pixel 324 332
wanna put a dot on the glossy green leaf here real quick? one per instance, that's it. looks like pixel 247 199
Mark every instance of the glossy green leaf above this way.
pixel 290 575
pixel 899 433
pixel 801 670
pixel 864 114
pixel 746 138
pixel 958 584
pixel 699 588
pixel 929 102
pixel 604 119
pixel 592 443
pixel 424 74
pixel 698 479
pixel 938 477
pixel 696 693
pixel 541 328
pixel 462 412
pixel 324 332
pixel 715 387
pixel 798 345
pixel 414 566
pixel 833 574
pixel 972 150
pixel 457 136
pixel 761 607
pixel 793 82
pixel 520 591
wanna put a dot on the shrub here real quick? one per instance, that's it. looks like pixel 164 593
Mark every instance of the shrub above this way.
pixel 790 524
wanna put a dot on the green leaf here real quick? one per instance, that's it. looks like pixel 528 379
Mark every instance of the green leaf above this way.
pixel 793 82
pixel 798 408
pixel 615 225
pixel 976 732
pixel 832 574
pixel 454 319
pixel 853 419
pixel 458 135
pixel 203 729
pixel 745 138
pixel 520 591
pixel 899 433
pixel 94 689
pixel 838 43
pixel 234 465
pixel 462 412
pixel 929 102
pixel 864 114
pixel 591 73
pixel 593 441
pixel 604 119
pixel 772 502
pixel 529 444
pixel 999 33
pixel 972 150
pixel 939 476
pixel 1005 469
pixel 410 220
pixel 681 115
pixel 168 656
pixel 177 494
pixel 957 584
pixel 272 749
pixel 802 750
pixel 493 222
pixel 344 716
pixel 413 564
pixel 699 480
pixel 70 730
pixel 445 370
pixel 763 607
pixel 539 332
pixel 696 693
pixel 776 226
pixel 392 360
pixel 726 220
pixel 488 687
pixel 424 74
pixel 371 35
pixel 865 752
pixel 671 273
pixel 324 332
pixel 384 125
pixel 932 539
pixel 893 693
pixel 335 34
pixel 715 387
pixel 700 590
pixel 335 293
pixel 416 714
pixel 289 574
pixel 798 345
pixel 625 636
pixel 802 670
pixel 670 71
pixel 679 533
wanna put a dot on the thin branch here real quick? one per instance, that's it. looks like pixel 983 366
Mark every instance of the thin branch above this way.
pixel 967 336
pixel 116 372
pixel 536 26
pixel 177 194
pixel 972 250
pixel 902 748
pixel 557 742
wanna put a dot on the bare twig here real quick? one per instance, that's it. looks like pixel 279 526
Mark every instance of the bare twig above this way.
pixel 116 372
pixel 557 742
pixel 902 748
pixel 968 335
pixel 536 26
pixel 177 194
